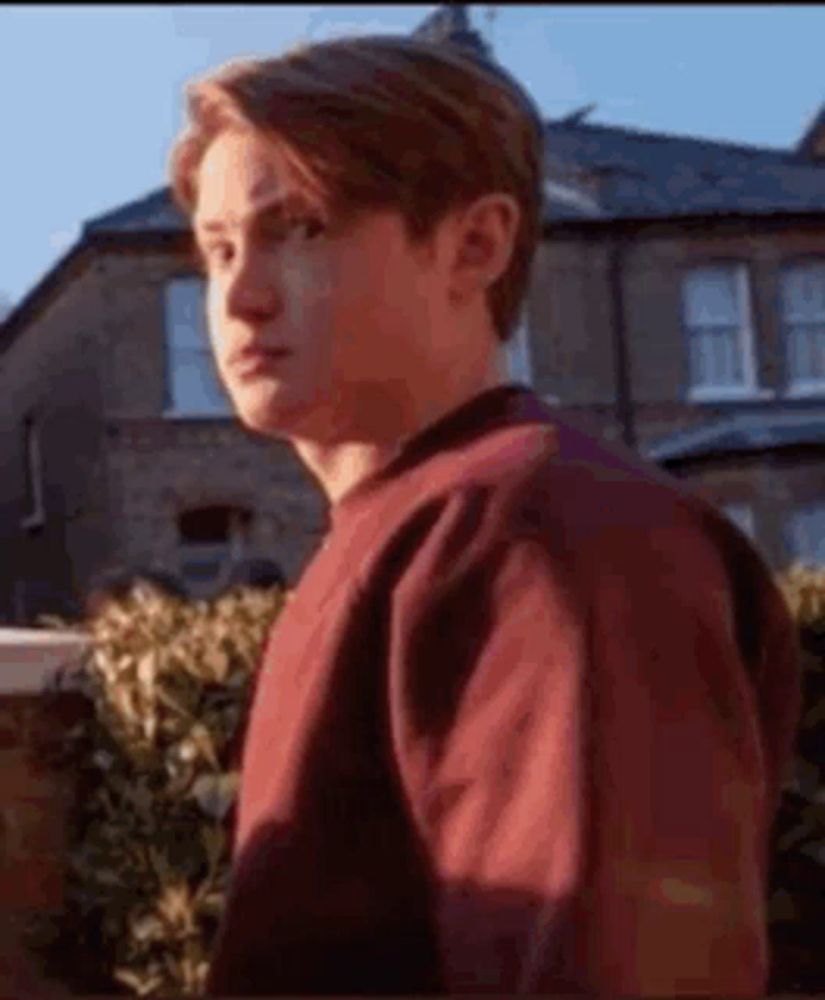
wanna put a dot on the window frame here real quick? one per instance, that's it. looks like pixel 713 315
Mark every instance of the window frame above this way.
pixel 796 388
pixel 201 347
pixel 749 387
pixel 35 512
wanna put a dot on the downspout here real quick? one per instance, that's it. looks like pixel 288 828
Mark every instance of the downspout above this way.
pixel 621 359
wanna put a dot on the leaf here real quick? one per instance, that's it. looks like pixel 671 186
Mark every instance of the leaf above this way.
pixel 142 985
pixel 216 793
pixel 202 739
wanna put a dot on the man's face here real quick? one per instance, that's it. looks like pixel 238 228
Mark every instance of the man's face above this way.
pixel 316 324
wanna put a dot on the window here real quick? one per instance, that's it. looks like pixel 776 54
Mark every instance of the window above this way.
pixel 805 534
pixel 211 540
pixel 34 514
pixel 741 514
pixel 802 301
pixel 193 387
pixel 519 368
pixel 718 328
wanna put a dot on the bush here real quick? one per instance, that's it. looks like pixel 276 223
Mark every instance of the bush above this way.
pixel 170 683
pixel 797 892
pixel 157 764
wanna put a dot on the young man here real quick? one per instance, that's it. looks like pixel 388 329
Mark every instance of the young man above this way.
pixel 523 725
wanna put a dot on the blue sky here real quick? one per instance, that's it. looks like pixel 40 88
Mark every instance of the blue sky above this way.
pixel 91 95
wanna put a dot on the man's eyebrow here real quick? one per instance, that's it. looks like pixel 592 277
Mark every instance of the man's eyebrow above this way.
pixel 276 208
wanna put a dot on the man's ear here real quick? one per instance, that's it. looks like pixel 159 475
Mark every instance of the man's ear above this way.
pixel 485 237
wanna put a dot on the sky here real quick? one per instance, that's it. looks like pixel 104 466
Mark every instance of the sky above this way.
pixel 91 96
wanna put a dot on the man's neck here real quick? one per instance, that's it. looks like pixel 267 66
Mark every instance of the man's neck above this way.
pixel 341 465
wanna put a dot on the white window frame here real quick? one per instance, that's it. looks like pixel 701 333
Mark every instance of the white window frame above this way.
pixel 519 355
pixel 794 531
pixel 190 339
pixel 33 458
pixel 742 515
pixel 747 388
pixel 800 386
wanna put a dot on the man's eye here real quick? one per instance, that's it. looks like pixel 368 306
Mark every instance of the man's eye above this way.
pixel 310 228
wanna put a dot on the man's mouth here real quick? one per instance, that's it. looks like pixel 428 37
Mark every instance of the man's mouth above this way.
pixel 255 362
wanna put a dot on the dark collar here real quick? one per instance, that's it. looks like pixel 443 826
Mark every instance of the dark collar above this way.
pixel 502 406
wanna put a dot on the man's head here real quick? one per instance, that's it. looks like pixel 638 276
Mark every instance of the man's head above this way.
pixel 353 201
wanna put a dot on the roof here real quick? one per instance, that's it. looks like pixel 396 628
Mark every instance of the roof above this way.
pixel 611 173
pixel 450 23
pixel 812 143
pixel 154 212
pixel 743 432
pixel 652 175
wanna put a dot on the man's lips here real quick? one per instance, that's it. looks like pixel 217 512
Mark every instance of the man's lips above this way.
pixel 258 359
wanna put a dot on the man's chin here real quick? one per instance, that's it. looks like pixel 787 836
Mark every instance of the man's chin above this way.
pixel 269 417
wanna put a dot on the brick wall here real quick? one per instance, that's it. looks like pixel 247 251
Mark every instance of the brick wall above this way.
pixel 91 364
pixel 52 371
pixel 159 468
pixel 34 799
pixel 569 320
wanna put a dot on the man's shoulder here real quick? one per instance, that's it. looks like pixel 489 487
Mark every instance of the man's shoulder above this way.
pixel 555 472
pixel 576 502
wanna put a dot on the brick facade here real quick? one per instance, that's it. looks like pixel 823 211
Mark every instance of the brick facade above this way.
pixel 91 366
pixel 35 804
pixel 573 353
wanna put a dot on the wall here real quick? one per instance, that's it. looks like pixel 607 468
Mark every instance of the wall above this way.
pixel 53 372
pixel 34 797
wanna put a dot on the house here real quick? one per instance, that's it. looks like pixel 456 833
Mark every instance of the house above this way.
pixel 683 310
pixel 118 446
pixel 677 303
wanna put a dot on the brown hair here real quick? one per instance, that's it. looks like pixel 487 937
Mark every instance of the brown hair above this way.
pixel 385 122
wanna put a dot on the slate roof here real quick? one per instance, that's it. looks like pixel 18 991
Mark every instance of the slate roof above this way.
pixel 625 173
pixel 154 212
pixel 637 174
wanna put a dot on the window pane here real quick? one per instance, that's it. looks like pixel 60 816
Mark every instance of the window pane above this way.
pixel 185 313
pixel 712 297
pixel 518 353
pixel 803 293
pixel 194 382
pixel 806 351
pixel 806 537
pixel 715 357
pixel 195 385
pixel 742 516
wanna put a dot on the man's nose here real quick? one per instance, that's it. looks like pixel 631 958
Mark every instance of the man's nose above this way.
pixel 252 292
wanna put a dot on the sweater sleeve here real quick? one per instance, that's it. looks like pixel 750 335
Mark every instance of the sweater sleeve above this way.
pixel 578 743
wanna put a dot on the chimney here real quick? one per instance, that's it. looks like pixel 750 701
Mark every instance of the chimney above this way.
pixel 450 24
pixel 812 144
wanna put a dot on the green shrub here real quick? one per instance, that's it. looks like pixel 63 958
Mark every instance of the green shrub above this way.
pixel 157 764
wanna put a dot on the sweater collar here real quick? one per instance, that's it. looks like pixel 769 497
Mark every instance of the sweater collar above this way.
pixel 501 406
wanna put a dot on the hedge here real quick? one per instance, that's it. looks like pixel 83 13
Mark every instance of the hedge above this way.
pixel 169 682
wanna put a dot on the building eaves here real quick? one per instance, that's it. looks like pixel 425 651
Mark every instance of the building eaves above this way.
pixel 740 433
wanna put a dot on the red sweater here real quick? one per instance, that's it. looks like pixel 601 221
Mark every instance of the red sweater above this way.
pixel 521 728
